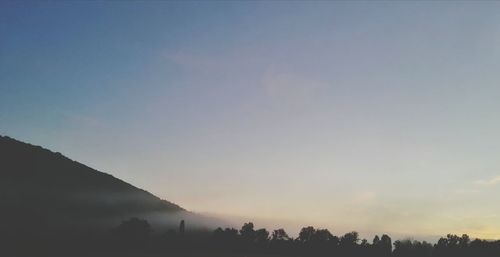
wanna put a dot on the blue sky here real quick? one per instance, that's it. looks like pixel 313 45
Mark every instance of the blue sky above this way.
pixel 380 117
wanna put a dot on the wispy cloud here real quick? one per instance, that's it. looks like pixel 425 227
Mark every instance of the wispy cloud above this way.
pixel 489 182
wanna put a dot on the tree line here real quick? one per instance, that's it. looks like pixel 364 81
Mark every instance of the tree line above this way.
pixel 309 242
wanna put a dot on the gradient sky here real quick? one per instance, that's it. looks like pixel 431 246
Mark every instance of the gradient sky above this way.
pixel 378 117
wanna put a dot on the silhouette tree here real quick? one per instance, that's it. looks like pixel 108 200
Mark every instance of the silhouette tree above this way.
pixel 424 249
pixel 279 235
pixel 182 228
pixel 306 234
pixel 218 233
pixel 403 248
pixel 409 248
pixel 464 241
pixel 385 245
pixel 226 239
pixel 231 233
pixel 261 237
pixel 365 248
pixel 228 235
pixel 247 232
pixel 349 239
pixel 453 245
pixel 321 235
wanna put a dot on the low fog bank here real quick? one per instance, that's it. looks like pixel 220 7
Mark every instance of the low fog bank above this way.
pixel 163 221
pixel 143 205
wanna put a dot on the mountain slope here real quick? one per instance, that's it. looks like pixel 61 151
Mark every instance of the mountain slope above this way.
pixel 43 189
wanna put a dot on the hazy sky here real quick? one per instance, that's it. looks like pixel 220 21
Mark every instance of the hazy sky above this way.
pixel 377 117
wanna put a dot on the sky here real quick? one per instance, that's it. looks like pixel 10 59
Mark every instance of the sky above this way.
pixel 379 117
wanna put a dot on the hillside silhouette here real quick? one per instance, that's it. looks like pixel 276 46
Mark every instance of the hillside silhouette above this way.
pixel 42 191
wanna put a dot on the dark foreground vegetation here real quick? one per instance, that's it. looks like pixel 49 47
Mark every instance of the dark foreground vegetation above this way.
pixel 136 237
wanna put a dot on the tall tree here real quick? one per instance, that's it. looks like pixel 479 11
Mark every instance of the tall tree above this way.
pixel 247 232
